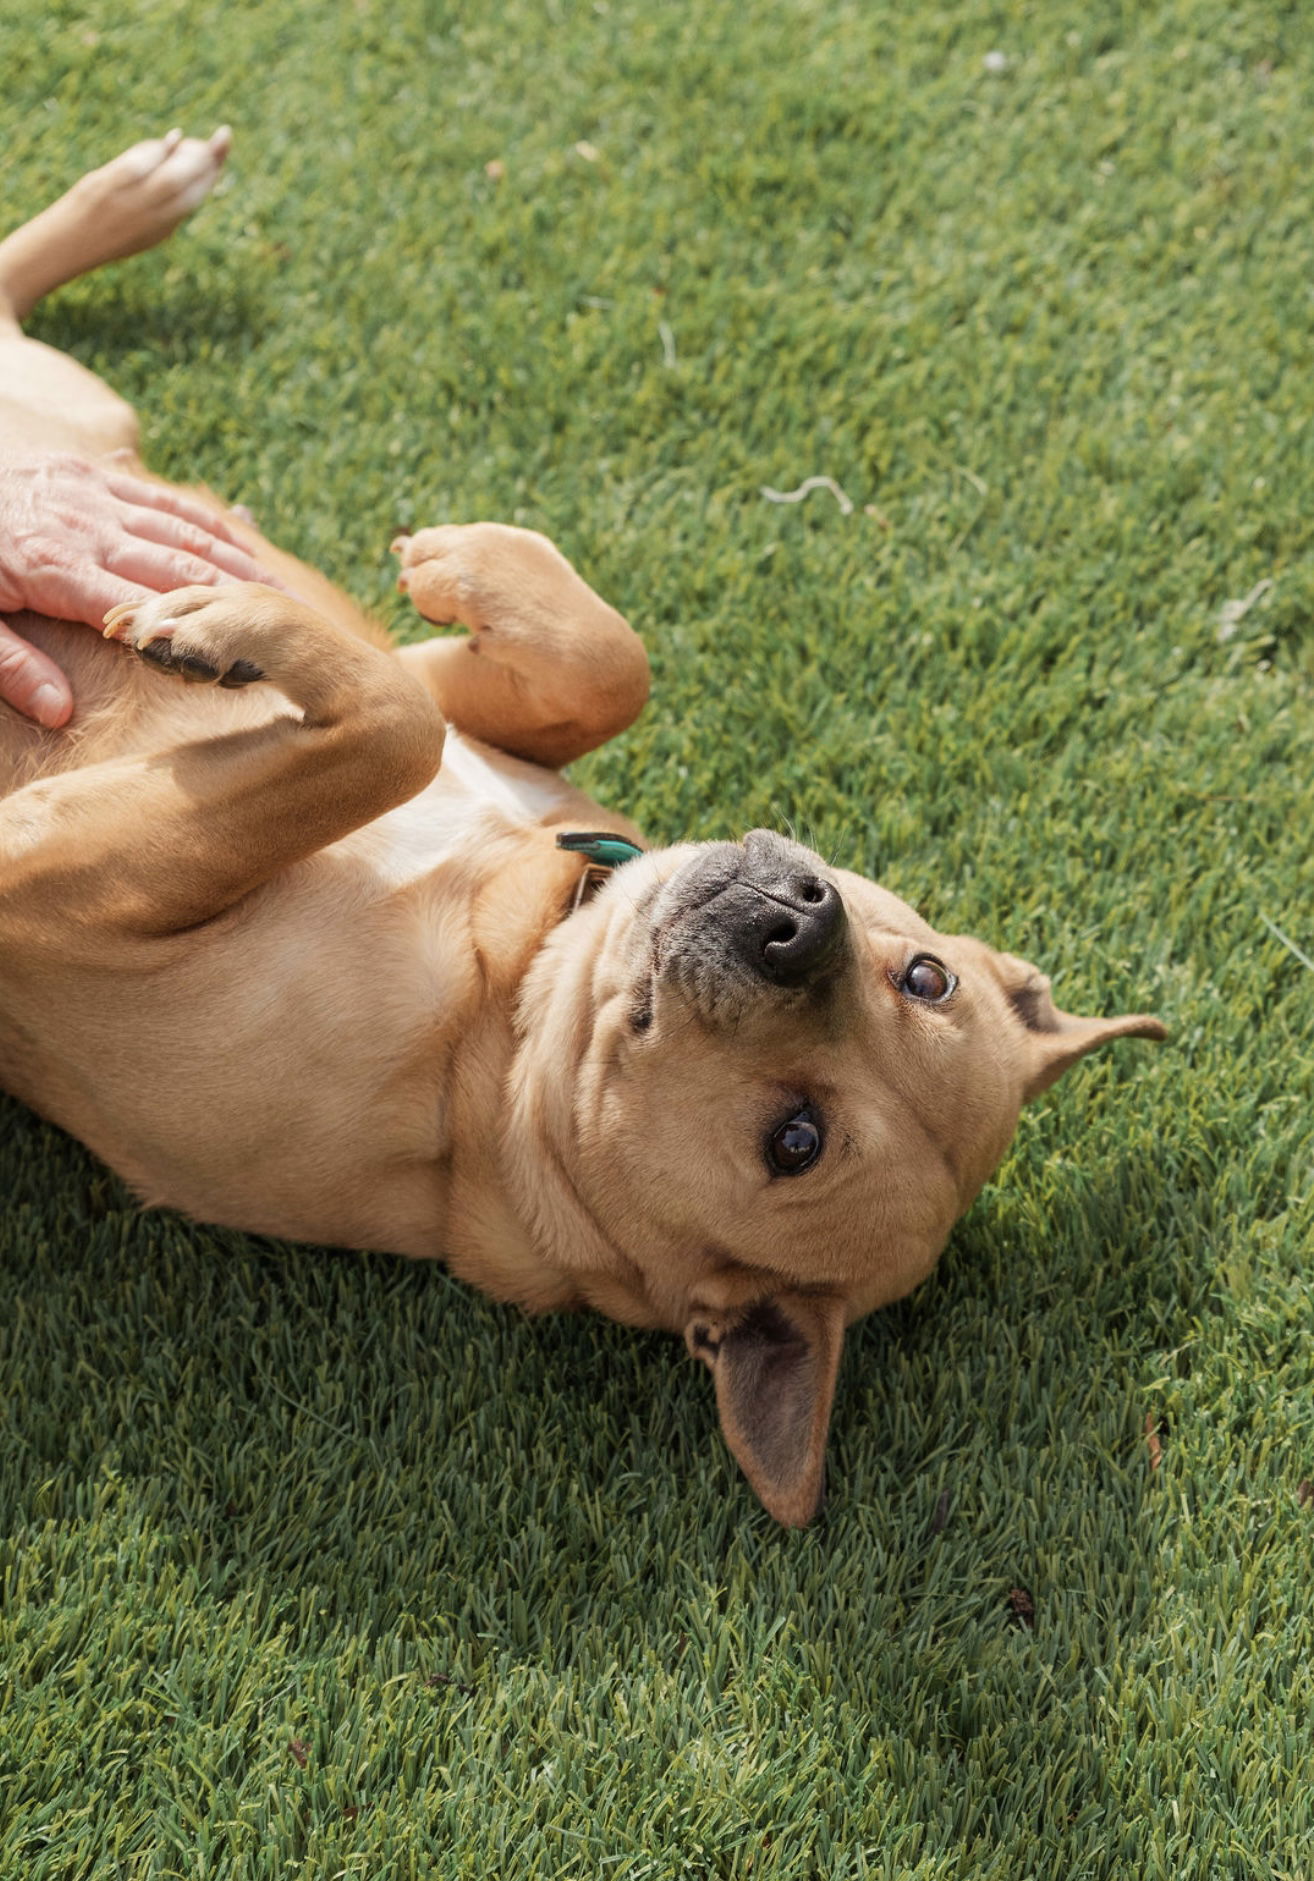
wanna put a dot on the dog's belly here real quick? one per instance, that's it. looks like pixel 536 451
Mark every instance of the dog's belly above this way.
pixel 286 1071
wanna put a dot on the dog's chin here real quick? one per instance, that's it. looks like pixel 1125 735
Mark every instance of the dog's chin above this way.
pixel 656 946
pixel 613 949
pixel 682 964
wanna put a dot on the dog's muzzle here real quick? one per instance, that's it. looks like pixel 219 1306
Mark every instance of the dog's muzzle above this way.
pixel 786 921
pixel 761 913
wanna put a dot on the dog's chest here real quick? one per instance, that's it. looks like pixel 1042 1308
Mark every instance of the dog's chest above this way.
pixel 475 795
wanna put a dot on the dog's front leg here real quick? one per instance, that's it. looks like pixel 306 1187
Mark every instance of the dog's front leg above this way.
pixel 153 844
pixel 549 670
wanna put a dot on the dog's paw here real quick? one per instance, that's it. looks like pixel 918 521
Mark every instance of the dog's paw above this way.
pixel 195 633
pixel 483 575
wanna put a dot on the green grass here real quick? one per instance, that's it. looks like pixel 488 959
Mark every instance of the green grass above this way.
pixel 317 1565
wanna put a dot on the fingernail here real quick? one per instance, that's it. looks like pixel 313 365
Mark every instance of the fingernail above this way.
pixel 49 706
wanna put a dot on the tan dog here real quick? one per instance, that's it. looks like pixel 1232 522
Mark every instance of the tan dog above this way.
pixel 293 948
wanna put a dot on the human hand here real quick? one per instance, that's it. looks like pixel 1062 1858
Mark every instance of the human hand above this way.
pixel 78 538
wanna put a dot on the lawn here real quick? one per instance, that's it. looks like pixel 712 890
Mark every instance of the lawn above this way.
pixel 318 1565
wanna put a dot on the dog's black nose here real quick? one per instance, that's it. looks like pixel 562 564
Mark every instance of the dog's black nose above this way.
pixel 797 937
pixel 790 922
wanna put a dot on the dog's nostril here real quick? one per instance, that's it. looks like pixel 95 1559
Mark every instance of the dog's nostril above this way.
pixel 795 939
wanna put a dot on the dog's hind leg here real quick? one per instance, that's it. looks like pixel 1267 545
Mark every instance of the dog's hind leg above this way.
pixel 126 206
pixel 47 400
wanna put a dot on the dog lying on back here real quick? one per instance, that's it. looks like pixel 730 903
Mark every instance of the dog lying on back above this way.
pixel 289 939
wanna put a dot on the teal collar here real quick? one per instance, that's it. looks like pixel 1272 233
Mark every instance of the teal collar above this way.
pixel 602 851
pixel 603 848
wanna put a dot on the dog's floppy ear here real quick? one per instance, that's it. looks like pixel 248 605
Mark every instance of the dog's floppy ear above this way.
pixel 1054 1039
pixel 775 1364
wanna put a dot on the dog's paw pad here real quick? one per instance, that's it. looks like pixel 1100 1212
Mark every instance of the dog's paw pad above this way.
pixel 169 656
pixel 188 641
pixel 172 658
pixel 241 673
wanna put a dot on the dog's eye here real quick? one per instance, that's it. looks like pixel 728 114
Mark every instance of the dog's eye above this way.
pixel 795 1144
pixel 926 979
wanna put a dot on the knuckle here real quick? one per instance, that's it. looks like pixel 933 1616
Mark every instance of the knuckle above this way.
pixel 196 572
pixel 68 463
pixel 192 540
pixel 47 554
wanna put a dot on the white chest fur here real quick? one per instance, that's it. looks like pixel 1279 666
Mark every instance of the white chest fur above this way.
pixel 476 792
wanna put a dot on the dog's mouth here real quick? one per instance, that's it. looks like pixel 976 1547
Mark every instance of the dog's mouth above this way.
pixel 761 919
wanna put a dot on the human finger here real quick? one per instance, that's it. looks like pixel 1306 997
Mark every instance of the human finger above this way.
pixel 84 594
pixel 145 494
pixel 174 532
pixel 161 569
pixel 31 682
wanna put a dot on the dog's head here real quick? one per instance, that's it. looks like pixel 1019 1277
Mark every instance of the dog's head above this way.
pixel 752 1098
